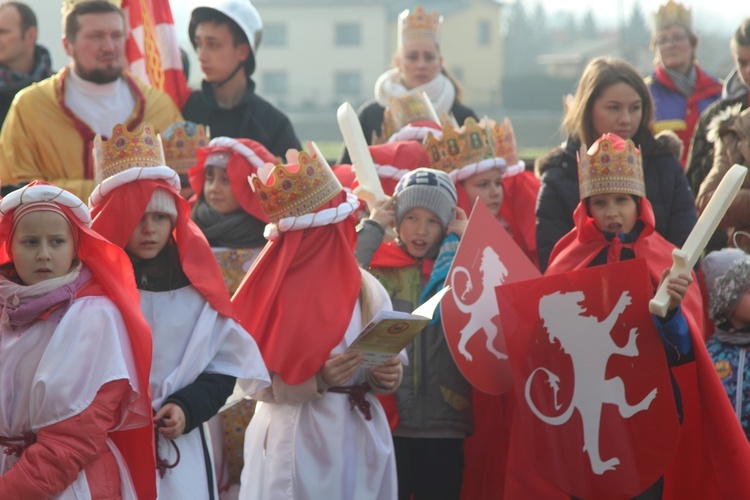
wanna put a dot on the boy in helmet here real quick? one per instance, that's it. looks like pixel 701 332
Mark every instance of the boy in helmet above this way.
pixel 226 36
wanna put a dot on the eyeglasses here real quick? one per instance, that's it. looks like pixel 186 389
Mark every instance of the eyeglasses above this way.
pixel 675 39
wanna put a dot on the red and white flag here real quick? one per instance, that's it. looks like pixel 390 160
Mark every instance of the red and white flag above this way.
pixel 152 49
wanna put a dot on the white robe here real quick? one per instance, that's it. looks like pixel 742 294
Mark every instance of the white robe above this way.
pixel 317 447
pixel 191 337
pixel 52 371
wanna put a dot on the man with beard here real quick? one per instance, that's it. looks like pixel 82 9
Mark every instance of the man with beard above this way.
pixel 50 128
pixel 22 61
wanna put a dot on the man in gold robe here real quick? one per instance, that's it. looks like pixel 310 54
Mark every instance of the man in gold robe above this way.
pixel 49 131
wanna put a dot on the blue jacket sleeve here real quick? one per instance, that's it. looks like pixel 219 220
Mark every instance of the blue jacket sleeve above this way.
pixel 675 336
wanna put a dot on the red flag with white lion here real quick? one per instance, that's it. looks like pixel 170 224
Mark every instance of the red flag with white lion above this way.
pixel 592 384
pixel 486 258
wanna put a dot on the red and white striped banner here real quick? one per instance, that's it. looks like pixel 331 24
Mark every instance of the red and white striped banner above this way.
pixel 152 49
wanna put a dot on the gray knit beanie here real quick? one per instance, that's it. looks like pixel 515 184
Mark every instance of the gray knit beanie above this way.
pixel 162 201
pixel 727 273
pixel 425 188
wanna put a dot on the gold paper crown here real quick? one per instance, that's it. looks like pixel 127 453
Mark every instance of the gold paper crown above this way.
pixel 404 110
pixel 672 13
pixel 296 189
pixel 67 5
pixel 419 24
pixel 181 142
pixel 460 147
pixel 125 150
pixel 604 169
pixel 505 140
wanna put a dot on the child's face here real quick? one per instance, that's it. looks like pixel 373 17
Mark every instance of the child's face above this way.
pixel 741 315
pixel 43 247
pixel 420 230
pixel 488 187
pixel 150 236
pixel 614 212
pixel 218 191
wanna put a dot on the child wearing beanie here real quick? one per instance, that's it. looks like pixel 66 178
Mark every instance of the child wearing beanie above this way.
pixel 434 402
pixel 727 273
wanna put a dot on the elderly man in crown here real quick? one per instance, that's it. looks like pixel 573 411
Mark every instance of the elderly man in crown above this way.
pixel 50 127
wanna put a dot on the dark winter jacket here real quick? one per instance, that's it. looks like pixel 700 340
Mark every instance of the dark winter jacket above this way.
pixel 666 189
pixel 253 118
pixel 371 118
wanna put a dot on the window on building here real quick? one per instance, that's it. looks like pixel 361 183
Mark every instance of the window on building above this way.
pixel 348 84
pixel 275 83
pixel 274 35
pixel 348 35
pixel 484 32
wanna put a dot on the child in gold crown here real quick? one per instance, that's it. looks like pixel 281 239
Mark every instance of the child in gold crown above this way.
pixel 614 221
pixel 75 351
pixel 199 348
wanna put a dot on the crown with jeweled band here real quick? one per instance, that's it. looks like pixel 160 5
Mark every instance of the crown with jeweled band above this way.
pixel 67 5
pixel 457 148
pixel 181 142
pixel 125 150
pixel 504 138
pixel 404 110
pixel 419 24
pixel 672 13
pixel 299 188
pixel 611 165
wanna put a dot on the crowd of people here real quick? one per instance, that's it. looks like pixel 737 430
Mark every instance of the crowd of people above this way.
pixel 180 288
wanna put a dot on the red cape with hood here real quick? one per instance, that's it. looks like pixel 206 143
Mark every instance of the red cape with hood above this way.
pixel 713 456
pixel 113 278
pixel 238 170
pixel 118 214
pixel 297 299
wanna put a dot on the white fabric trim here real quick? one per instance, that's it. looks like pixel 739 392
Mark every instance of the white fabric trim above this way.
pixel 391 172
pixel 160 173
pixel 414 134
pixel 514 170
pixel 463 173
pixel 317 219
pixel 46 193
pixel 238 147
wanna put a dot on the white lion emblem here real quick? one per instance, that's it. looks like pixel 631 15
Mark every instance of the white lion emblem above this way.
pixel 485 308
pixel 589 344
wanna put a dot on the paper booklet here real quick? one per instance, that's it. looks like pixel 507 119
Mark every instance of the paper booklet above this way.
pixel 390 331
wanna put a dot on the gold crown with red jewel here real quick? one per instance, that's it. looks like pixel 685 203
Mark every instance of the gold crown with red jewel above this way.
pixel 672 13
pixel 505 140
pixel 126 150
pixel 605 168
pixel 404 110
pixel 296 189
pixel 181 142
pixel 68 5
pixel 458 147
pixel 419 24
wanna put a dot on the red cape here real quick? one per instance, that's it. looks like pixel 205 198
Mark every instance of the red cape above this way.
pixel 713 456
pixel 118 214
pixel 297 299
pixel 113 278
